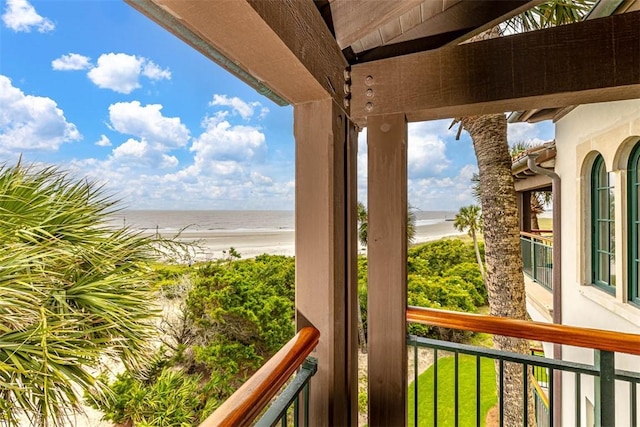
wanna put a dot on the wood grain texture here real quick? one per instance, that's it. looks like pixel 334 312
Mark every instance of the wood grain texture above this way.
pixel 253 396
pixel 545 332
pixel 323 291
pixel 387 261
pixel 353 20
pixel 300 27
pixel 591 61
pixel 279 46
pixel 476 16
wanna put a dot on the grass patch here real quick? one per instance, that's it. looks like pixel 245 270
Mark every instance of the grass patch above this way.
pixel 466 392
pixel 545 223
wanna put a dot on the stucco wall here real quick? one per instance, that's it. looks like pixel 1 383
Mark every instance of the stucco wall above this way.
pixel 610 129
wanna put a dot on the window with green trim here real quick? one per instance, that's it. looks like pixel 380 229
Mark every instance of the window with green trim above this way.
pixel 634 224
pixel 603 228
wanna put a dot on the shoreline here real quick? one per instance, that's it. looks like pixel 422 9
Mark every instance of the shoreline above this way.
pixel 249 243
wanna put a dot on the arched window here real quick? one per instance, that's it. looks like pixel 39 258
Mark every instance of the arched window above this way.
pixel 603 229
pixel 634 225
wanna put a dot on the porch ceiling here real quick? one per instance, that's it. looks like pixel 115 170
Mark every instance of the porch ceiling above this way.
pixel 366 30
pixel 405 56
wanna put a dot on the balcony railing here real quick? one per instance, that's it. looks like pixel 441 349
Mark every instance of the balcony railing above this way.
pixel 537 258
pixel 600 379
pixel 251 399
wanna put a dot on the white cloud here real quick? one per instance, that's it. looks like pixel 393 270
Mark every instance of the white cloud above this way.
pixel 20 16
pixel 525 132
pixel 72 61
pixel 227 169
pixel 443 193
pixel 121 72
pixel 103 141
pixel 31 122
pixel 148 123
pixel 426 152
pixel 154 72
pixel 222 141
pixel 141 154
pixel 244 109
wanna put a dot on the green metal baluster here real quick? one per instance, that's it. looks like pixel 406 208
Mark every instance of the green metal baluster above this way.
pixel 306 393
pixel 534 266
pixel 296 411
pixel 525 389
pixel 435 386
pixel 605 389
pixel 550 382
pixel 415 384
pixel 578 399
pixel 501 397
pixel 478 391
pixel 633 404
pixel 455 390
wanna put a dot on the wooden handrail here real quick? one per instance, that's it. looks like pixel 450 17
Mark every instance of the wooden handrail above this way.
pixel 253 396
pixel 548 240
pixel 547 332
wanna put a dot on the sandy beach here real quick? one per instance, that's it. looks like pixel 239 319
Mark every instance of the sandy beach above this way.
pixel 251 243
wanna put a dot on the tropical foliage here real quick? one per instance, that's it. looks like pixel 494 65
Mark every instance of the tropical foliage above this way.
pixel 441 274
pixel 363 224
pixel 469 218
pixel 236 315
pixel 73 290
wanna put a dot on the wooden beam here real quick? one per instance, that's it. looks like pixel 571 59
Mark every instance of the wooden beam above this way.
pixel 352 20
pixel 326 287
pixel 387 262
pixel 478 16
pixel 591 61
pixel 282 48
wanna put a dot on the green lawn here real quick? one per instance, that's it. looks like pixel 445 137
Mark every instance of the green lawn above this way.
pixel 467 392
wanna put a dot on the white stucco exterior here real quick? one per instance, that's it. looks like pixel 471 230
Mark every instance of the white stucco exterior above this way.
pixel 612 130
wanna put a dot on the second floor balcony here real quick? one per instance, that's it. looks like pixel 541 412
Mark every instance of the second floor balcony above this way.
pixel 466 385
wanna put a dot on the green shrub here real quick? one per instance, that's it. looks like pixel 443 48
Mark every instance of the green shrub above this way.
pixel 174 399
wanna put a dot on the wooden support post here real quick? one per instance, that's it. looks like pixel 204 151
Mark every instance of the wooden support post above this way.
pixel 525 210
pixel 387 261
pixel 326 286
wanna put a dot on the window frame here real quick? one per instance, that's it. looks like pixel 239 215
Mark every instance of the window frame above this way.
pixel 597 188
pixel 633 223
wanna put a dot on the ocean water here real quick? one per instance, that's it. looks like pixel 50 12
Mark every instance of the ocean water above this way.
pixel 237 221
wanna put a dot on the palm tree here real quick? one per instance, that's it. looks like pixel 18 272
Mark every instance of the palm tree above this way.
pixel 363 223
pixel 504 278
pixel 73 289
pixel 470 218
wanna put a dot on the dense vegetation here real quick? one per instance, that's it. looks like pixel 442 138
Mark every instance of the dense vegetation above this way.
pixel 76 291
pixel 441 274
pixel 237 313
pixel 73 290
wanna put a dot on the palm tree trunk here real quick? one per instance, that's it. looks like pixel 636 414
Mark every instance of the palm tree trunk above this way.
pixel 504 279
pixel 362 339
pixel 478 257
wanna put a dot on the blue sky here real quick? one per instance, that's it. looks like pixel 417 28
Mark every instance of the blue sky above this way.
pixel 99 89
